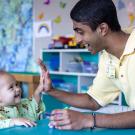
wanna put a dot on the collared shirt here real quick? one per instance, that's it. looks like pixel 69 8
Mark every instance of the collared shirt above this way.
pixel 27 108
pixel 116 75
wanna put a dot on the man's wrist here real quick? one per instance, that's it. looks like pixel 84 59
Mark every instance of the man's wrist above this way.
pixel 88 121
pixel 94 120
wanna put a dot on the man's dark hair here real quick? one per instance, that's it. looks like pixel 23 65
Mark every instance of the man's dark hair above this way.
pixel 95 12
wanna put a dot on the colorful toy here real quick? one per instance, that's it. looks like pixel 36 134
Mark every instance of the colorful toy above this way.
pixel 64 43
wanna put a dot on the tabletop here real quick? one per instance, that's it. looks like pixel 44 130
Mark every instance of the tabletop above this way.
pixel 43 129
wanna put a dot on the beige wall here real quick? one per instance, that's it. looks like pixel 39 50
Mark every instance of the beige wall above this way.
pixel 65 27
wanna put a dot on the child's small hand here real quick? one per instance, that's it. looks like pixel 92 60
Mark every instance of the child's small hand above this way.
pixel 22 122
pixel 47 82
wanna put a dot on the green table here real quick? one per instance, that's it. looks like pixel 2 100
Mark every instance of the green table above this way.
pixel 43 129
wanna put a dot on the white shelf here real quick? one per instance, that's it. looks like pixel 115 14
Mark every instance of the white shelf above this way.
pixel 65 50
pixel 73 73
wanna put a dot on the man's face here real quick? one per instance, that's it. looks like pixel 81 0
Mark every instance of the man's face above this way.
pixel 84 35
pixel 10 92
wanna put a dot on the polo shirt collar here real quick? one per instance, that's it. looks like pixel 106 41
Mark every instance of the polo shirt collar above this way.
pixel 130 45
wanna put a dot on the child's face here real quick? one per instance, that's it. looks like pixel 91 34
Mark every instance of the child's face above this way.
pixel 10 91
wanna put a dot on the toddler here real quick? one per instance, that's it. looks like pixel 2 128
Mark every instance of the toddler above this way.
pixel 15 111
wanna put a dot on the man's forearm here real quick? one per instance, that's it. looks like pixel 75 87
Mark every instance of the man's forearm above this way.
pixel 119 120
pixel 76 100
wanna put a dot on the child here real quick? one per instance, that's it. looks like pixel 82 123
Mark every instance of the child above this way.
pixel 14 110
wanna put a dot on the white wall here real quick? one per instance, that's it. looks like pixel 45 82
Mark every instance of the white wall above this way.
pixel 51 11
pixel 65 27
pixel 123 14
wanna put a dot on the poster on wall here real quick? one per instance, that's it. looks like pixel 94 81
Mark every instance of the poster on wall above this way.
pixel 15 35
pixel 42 29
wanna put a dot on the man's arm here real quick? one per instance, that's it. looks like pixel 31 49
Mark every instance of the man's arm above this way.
pixel 118 120
pixel 77 100
pixel 69 119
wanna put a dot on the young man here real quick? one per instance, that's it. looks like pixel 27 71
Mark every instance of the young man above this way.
pixel 95 23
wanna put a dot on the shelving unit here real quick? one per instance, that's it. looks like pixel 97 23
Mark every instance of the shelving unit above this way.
pixel 75 79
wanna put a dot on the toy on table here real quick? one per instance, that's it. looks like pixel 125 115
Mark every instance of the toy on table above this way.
pixel 48 115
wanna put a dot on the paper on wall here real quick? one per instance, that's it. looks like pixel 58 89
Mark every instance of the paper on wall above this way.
pixel 42 29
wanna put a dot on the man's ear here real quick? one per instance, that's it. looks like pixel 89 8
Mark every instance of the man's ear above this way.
pixel 102 29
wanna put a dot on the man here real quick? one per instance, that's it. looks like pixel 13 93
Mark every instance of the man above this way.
pixel 95 23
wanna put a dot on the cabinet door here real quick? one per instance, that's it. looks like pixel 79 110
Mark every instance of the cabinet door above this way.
pixel 51 60
pixel 65 82
pixel 81 62
pixel 85 83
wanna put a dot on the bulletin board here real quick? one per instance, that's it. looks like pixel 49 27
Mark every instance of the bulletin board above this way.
pixel 16 35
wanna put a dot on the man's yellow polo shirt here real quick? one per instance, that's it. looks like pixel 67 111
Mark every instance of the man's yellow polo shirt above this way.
pixel 116 75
